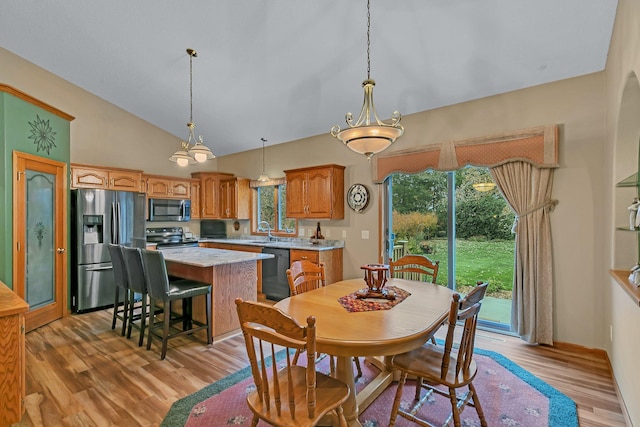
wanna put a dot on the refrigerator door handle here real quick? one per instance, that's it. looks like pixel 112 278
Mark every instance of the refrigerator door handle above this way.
pixel 118 219
pixel 99 268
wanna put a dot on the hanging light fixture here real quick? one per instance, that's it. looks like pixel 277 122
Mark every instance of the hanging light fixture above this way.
pixel 263 176
pixel 193 149
pixel 367 136
pixel 483 187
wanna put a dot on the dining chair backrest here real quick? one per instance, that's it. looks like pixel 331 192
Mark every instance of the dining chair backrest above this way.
pixel 134 269
pixel 264 326
pixel 117 261
pixel 468 317
pixel 157 279
pixel 474 296
pixel 304 276
pixel 414 267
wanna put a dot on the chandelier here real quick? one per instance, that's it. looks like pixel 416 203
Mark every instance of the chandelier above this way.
pixel 368 134
pixel 193 149
pixel 263 176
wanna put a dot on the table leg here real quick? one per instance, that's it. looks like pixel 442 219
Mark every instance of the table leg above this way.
pixel 344 372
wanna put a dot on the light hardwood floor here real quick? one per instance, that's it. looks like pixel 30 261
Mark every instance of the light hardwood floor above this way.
pixel 82 373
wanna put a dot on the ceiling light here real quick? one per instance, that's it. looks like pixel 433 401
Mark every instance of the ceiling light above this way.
pixel 367 136
pixel 483 186
pixel 263 177
pixel 193 149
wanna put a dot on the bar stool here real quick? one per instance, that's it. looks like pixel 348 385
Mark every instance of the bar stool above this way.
pixel 120 278
pixel 160 288
pixel 137 285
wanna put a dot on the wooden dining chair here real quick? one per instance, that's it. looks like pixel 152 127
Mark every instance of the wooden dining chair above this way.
pixel 414 267
pixel 304 276
pixel 286 394
pixel 439 366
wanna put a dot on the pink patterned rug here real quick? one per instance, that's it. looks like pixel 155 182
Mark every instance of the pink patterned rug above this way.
pixel 510 396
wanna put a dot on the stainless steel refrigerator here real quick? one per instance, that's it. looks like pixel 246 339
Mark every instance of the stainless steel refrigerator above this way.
pixel 100 217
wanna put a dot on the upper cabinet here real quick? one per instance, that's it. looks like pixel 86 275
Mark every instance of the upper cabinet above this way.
pixel 85 176
pixel 195 199
pixel 167 187
pixel 315 192
pixel 210 193
pixel 235 198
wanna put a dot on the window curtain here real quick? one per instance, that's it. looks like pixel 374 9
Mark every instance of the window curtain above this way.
pixel 527 189
pixel 521 163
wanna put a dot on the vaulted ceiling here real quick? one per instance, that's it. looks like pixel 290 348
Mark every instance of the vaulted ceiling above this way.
pixel 289 69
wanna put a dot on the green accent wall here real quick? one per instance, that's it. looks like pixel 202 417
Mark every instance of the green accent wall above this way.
pixel 15 130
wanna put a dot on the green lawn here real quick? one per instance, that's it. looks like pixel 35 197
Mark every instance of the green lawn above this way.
pixel 488 261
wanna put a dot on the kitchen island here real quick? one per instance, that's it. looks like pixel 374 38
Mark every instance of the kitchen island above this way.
pixel 231 274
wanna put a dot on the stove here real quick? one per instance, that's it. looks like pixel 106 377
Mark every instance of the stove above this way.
pixel 169 237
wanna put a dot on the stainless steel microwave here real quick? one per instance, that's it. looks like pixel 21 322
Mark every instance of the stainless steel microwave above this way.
pixel 169 210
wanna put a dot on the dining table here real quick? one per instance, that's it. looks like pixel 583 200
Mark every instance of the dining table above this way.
pixel 348 326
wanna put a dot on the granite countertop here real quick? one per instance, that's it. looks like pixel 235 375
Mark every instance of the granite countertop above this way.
pixel 207 257
pixel 281 242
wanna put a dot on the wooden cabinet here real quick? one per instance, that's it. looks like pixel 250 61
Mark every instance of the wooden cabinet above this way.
pixel 209 192
pixel 235 198
pixel 87 176
pixel 315 192
pixel 195 199
pixel 332 260
pixel 167 187
pixel 12 356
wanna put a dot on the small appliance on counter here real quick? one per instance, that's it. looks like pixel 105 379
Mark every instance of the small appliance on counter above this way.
pixel 170 237
pixel 213 229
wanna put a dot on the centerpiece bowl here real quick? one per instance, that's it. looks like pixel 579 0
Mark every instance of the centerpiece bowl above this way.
pixel 375 276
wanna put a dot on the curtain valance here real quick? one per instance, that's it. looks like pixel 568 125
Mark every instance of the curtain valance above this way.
pixel 538 146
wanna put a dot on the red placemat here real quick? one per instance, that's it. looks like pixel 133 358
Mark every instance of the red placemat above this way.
pixel 354 304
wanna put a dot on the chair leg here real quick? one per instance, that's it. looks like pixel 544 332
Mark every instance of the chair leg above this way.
pixel 115 308
pixel 476 404
pixel 152 321
pixel 397 399
pixel 132 297
pixel 341 419
pixel 165 332
pixel 208 314
pixel 125 312
pixel 358 368
pixel 143 319
pixel 454 407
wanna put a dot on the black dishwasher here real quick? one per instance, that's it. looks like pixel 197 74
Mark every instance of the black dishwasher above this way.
pixel 274 274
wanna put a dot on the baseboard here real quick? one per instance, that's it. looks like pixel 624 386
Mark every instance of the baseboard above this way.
pixel 602 353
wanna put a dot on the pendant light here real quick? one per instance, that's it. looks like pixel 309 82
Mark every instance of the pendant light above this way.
pixel 263 177
pixel 369 135
pixel 193 150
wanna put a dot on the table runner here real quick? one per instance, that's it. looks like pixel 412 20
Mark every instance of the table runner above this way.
pixel 354 304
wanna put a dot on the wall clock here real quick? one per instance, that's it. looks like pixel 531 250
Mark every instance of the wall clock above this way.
pixel 358 197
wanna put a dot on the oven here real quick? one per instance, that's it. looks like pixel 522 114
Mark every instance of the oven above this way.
pixel 169 210
pixel 169 237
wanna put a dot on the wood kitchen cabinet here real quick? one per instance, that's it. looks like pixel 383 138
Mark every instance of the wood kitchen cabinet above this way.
pixel 210 192
pixel 12 356
pixel 242 248
pixel 315 192
pixel 332 260
pixel 167 187
pixel 235 198
pixel 87 176
pixel 195 199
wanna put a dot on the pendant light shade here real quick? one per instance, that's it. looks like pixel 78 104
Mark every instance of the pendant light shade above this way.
pixel 192 150
pixel 368 134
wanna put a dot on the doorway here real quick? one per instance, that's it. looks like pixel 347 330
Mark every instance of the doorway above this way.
pixel 40 237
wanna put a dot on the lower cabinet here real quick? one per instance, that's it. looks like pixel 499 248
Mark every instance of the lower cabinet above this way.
pixel 242 248
pixel 12 356
pixel 332 260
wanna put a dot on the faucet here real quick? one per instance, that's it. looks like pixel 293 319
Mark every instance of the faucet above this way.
pixel 261 224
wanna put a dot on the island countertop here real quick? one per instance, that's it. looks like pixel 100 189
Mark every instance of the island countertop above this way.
pixel 207 257
pixel 281 243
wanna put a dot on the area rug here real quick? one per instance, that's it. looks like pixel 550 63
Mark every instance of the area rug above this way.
pixel 510 396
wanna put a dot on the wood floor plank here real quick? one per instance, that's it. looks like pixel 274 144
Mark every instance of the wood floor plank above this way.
pixel 82 373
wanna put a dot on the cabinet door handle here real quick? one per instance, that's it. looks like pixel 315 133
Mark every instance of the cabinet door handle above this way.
pixel 304 257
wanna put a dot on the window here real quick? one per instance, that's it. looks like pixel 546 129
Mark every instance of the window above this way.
pixel 270 206
pixel 447 218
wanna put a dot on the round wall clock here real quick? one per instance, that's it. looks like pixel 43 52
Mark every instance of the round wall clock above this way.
pixel 358 197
